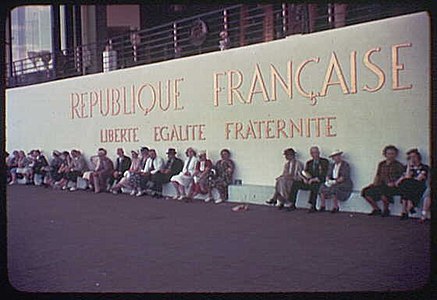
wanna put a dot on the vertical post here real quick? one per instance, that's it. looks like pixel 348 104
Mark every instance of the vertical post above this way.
pixel 11 59
pixel 284 19
pixel 331 17
pixel 243 24
pixel 175 41
pixel 56 39
pixel 268 22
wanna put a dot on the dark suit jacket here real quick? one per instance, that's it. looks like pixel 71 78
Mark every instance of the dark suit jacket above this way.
pixel 177 166
pixel 124 165
pixel 321 171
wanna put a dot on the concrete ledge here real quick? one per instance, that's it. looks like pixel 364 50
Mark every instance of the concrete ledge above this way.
pixel 258 194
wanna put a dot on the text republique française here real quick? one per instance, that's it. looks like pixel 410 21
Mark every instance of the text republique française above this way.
pixel 261 82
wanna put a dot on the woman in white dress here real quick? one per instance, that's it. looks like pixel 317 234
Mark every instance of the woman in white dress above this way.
pixel 182 180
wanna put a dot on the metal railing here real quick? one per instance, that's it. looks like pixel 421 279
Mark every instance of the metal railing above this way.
pixel 230 27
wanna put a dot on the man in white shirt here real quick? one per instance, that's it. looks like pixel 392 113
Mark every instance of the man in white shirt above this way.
pixel 153 164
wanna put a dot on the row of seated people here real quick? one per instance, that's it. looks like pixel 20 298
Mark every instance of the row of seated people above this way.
pixel 327 180
pixel 143 173
pixel 148 172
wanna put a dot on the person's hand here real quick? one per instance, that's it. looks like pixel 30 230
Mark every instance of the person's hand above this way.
pixel 391 184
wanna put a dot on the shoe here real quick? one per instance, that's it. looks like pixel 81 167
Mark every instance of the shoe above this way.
pixel 312 210
pixel 140 193
pixel 64 188
pixel 385 213
pixel 271 202
pixel 175 197
pixel 412 211
pixel 404 216
pixel 115 192
pixel 290 208
pixel 280 206
pixel 322 209
pixel 73 188
pixel 374 212
pixel 12 183
pixel 335 210
pixel 133 193
pixel 219 200
pixel 180 198
pixel 207 199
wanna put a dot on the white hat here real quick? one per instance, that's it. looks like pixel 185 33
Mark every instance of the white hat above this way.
pixel 336 152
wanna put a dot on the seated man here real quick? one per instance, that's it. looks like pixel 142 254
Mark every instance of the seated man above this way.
pixel 102 172
pixel 172 167
pixel 384 185
pixel 121 165
pixel 291 173
pixel 40 164
pixel 153 164
pixel 79 166
pixel 316 169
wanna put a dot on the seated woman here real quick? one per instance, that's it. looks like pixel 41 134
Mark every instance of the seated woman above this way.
pixel 200 176
pixel 66 165
pixel 54 165
pixel 412 184
pixel 22 168
pixel 128 177
pixel 426 206
pixel 102 173
pixel 383 186
pixel 222 178
pixel 338 185
pixel 40 165
pixel 11 163
pixel 78 167
pixel 182 180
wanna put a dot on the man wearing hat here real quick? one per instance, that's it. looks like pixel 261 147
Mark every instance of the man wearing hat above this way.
pixel 172 166
pixel 284 183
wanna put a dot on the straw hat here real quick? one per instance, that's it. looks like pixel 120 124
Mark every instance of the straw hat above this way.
pixel 336 152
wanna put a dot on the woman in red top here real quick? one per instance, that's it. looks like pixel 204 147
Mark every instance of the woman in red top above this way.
pixel 200 176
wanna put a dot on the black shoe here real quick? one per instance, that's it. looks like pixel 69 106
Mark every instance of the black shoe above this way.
pixel 322 209
pixel 312 210
pixel 412 211
pixel 375 212
pixel 271 202
pixel 385 213
pixel 291 208
pixel 335 210
pixel 281 206
pixel 404 216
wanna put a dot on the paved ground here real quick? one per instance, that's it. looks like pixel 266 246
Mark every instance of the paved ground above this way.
pixel 81 242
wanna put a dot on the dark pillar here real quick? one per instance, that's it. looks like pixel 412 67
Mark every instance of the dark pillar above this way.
pixel 101 34
pixel 56 39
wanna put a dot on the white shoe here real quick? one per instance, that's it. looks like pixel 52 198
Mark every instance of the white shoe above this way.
pixel 219 200
pixel 140 193
pixel 175 197
pixel 72 189
pixel 64 187
pixel 207 199
pixel 181 198
pixel 11 183
pixel 133 193
pixel 115 192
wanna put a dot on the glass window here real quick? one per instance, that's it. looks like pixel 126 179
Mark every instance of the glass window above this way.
pixel 31 33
